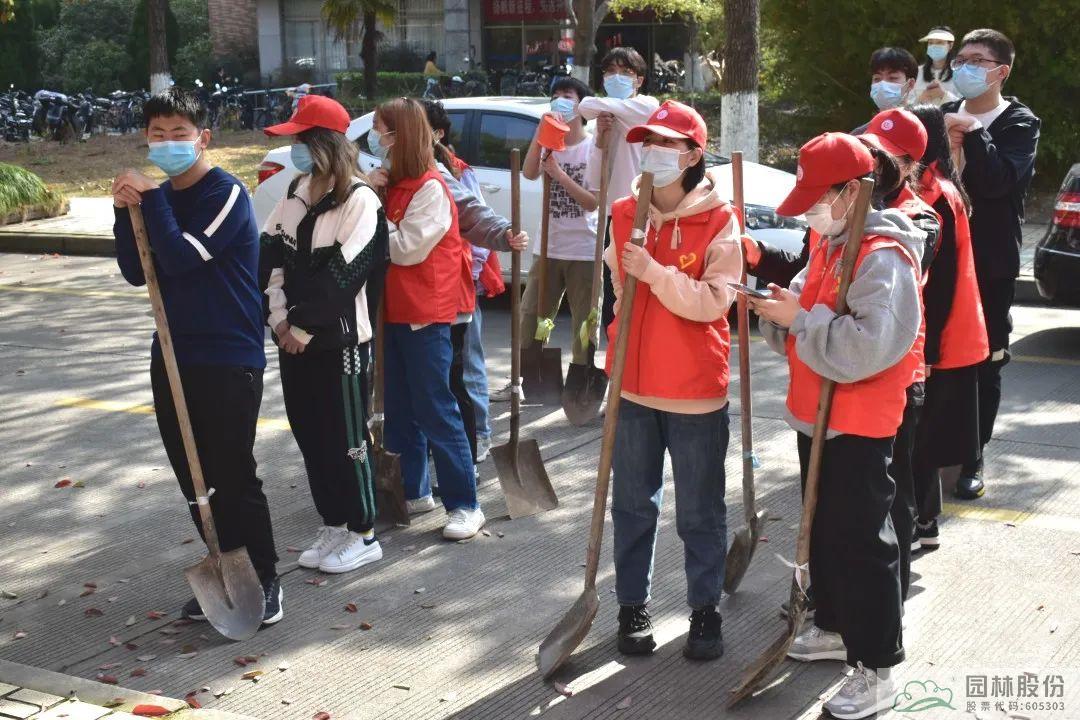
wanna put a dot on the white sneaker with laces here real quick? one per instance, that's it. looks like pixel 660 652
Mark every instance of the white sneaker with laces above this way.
pixel 420 505
pixel 483 448
pixel 864 693
pixel 463 523
pixel 325 543
pixel 502 395
pixel 351 554
pixel 817 644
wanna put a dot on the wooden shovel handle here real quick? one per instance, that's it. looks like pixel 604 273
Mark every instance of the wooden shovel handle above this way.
pixel 746 407
pixel 601 227
pixel 515 298
pixel 828 387
pixel 168 354
pixel 611 415
pixel 541 271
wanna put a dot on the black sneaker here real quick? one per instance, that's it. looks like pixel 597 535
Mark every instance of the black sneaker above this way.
pixel 192 610
pixel 635 630
pixel 275 607
pixel 928 535
pixel 970 486
pixel 705 641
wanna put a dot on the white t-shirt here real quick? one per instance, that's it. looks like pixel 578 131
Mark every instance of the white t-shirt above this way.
pixel 571 230
pixel 946 86
pixel 987 118
pixel 626 165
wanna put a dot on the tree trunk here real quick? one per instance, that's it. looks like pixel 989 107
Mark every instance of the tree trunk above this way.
pixel 160 78
pixel 739 84
pixel 367 52
pixel 588 15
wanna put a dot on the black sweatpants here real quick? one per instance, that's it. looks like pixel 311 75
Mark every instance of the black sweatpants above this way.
pixel 901 470
pixel 997 299
pixel 324 400
pixel 854 559
pixel 457 384
pixel 223 403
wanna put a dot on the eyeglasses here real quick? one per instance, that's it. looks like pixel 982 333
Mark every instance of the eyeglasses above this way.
pixel 960 62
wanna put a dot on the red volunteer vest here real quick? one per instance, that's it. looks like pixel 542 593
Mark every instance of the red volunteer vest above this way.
pixel 669 356
pixel 872 407
pixel 963 339
pixel 911 205
pixel 430 292
pixel 491 276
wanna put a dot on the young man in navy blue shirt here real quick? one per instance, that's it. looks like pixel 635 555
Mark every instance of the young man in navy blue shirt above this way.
pixel 205 244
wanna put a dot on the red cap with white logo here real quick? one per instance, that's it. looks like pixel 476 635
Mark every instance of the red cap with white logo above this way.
pixel 897 132
pixel 673 120
pixel 827 160
pixel 313 111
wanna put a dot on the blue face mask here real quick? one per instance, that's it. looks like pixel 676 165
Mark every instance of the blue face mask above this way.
pixel 970 81
pixel 937 52
pixel 620 87
pixel 564 107
pixel 374 143
pixel 173 157
pixel 886 95
pixel 301 157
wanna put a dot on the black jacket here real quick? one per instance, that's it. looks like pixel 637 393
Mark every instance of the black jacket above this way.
pixel 999 164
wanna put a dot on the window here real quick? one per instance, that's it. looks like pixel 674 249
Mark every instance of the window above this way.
pixel 457 130
pixel 499 134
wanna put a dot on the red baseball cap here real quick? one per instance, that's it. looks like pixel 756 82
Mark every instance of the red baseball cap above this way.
pixel 673 120
pixel 827 160
pixel 313 111
pixel 897 132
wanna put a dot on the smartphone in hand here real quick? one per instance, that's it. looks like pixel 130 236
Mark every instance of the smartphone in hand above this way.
pixel 747 290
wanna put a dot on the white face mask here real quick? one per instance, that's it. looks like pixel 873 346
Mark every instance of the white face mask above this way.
pixel 820 219
pixel 663 163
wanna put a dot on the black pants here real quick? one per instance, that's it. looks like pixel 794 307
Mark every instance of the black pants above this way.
pixel 997 299
pixel 223 403
pixel 901 471
pixel 457 384
pixel 854 560
pixel 324 400
pixel 607 308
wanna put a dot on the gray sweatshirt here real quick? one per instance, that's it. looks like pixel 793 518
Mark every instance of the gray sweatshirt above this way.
pixel 884 317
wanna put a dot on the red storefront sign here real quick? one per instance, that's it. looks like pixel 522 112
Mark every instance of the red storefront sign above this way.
pixel 518 11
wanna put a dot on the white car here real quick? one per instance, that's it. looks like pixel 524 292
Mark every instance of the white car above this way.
pixel 485 129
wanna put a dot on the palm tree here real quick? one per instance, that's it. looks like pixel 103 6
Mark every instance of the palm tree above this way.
pixel 350 18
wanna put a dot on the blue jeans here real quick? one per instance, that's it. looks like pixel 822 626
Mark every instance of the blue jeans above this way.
pixel 476 380
pixel 420 409
pixel 697 444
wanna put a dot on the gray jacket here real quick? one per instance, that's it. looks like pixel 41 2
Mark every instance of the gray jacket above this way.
pixel 884 319
pixel 478 223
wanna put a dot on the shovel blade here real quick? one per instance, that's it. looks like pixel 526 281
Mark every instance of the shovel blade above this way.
pixel 758 673
pixel 389 489
pixel 741 552
pixel 229 592
pixel 565 637
pixel 583 393
pixel 541 374
pixel 523 478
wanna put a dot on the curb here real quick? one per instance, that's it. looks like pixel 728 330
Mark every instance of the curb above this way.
pixel 95 245
pixel 100 694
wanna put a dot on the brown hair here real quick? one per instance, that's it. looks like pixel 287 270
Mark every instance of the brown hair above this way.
pixel 333 156
pixel 411 155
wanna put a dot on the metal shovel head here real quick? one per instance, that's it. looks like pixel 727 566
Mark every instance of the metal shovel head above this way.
pixel 583 393
pixel 524 480
pixel 229 592
pixel 756 675
pixel 389 488
pixel 741 552
pixel 541 373
pixel 561 642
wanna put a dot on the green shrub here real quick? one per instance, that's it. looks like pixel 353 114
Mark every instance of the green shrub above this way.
pixel 390 84
pixel 21 191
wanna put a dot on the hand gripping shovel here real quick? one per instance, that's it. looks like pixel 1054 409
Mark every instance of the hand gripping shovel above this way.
pixel 574 626
pixel 389 485
pixel 524 481
pixel 745 541
pixel 225 584
pixel 586 385
pixel 761 669
pixel 541 366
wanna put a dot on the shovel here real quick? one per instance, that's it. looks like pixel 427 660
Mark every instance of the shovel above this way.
pixel 574 626
pixel 524 481
pixel 745 541
pixel 389 485
pixel 541 366
pixel 225 584
pixel 762 669
pixel 586 385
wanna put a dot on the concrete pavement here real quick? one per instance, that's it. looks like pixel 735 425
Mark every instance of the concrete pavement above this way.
pixel 997 600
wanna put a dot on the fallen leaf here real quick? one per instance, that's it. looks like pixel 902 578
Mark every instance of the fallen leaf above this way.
pixel 562 689
pixel 108 679
pixel 1053 627
pixel 146 658
pixel 114 598
pixel 61 602
pixel 340 627
pixel 1040 607
pixel 763 539
pixel 366 626
pixel 92 612
pixel 419 591
pixel 321 716
pixel 155 691
pixel 350 607
pixel 316 581
pixel 187 541
pixel 222 691
pixel 168 641
pixel 500 534
pixel 141 485
pixel 485 532
pixel 1010 524
pixel 109 666
pixel 401 687
pixel 188 648
pixel 427 606
pixel 292 549
pixel 78 484
pixel 286 701
pixel 114 641
pixel 241 661
pixel 114 703
pixel 130 621
pixel 149 711
pixel 7 595
pixel 187 655
pixel 87 592
pixel 138 672
pixel 251 659
pixel 124 580
pixel 66 482
pixel 283 666
pixel 169 631
pixel 155 615
pixel 130 646
pixel 624 703
pixel 181 622
pixel 91 585
pixel 192 701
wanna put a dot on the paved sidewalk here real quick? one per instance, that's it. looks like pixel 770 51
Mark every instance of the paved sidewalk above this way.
pixel 85 230
pixel 455 627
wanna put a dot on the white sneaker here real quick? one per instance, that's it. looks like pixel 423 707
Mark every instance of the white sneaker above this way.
pixel 502 395
pixel 351 554
pixel 863 694
pixel 420 505
pixel 817 644
pixel 463 524
pixel 325 543
pixel 483 448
